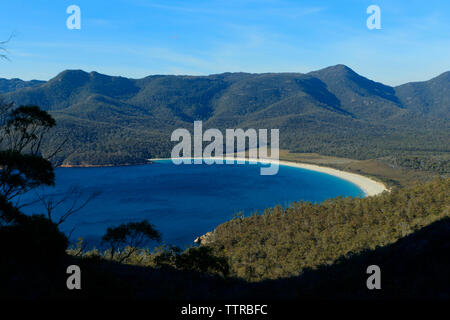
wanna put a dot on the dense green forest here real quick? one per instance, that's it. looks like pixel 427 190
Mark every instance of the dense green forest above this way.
pixel 434 163
pixel 333 111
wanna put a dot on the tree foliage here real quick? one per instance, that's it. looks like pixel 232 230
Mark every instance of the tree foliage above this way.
pixel 127 238
pixel 26 127
pixel 34 239
pixel 22 168
pixel 202 259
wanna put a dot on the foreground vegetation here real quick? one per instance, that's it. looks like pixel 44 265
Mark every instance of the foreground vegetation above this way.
pixel 307 251
pixel 283 242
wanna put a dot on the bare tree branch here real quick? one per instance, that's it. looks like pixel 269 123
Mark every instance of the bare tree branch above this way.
pixel 3 51
pixel 54 203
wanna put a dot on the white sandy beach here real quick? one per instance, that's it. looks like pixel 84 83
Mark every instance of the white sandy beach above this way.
pixel 369 186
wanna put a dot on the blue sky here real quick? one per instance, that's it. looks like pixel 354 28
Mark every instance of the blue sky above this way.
pixel 136 38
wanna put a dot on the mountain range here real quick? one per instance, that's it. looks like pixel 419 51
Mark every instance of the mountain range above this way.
pixel 109 119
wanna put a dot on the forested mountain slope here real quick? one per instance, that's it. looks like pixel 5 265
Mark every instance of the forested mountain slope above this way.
pixel 332 111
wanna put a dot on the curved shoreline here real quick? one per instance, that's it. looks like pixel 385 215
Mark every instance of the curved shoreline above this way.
pixel 369 186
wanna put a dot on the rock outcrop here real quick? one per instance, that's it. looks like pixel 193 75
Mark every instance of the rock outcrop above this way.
pixel 204 239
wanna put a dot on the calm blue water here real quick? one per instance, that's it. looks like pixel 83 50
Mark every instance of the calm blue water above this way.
pixel 185 201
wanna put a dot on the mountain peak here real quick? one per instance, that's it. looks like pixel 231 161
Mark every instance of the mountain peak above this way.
pixel 338 69
pixel 71 78
pixel 70 72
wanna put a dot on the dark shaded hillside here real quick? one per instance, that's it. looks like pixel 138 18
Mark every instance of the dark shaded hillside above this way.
pixel 75 86
pixel 362 97
pixel 428 97
pixel 331 111
pixel 415 267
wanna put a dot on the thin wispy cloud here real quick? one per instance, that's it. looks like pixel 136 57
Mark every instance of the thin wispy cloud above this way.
pixel 235 8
